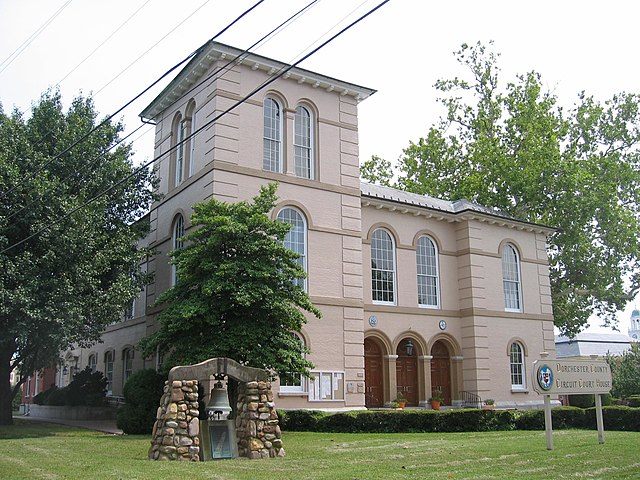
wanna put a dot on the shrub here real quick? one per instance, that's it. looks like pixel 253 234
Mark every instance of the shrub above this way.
pixel 17 400
pixel 300 420
pixel 633 401
pixel 43 397
pixel 582 400
pixel 568 417
pixel 87 388
pixel 142 394
pixel 57 397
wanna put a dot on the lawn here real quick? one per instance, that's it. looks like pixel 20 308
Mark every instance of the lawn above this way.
pixel 44 451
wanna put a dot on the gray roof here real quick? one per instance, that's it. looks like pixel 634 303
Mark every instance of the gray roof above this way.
pixel 426 201
pixel 585 344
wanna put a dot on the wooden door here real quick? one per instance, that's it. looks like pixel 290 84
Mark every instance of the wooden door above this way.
pixel 407 373
pixel 441 370
pixel 373 368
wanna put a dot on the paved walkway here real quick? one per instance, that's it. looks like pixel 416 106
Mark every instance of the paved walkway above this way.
pixel 106 426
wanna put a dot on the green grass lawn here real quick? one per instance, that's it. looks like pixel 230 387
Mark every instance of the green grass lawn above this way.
pixel 44 451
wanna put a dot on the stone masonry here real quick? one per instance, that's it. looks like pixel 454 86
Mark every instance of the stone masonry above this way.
pixel 176 431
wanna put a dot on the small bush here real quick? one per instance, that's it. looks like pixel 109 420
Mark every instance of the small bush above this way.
pixel 142 394
pixel 300 420
pixel 57 397
pixel 615 418
pixel 633 401
pixel 582 400
pixel 568 417
pixel 17 400
pixel 43 397
pixel 87 388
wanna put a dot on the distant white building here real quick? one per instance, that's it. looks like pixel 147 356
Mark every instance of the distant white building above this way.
pixel 634 329
pixel 586 344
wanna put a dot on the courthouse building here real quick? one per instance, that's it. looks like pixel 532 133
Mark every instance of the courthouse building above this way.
pixel 416 293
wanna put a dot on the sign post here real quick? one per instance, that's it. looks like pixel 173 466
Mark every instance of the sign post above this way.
pixel 571 377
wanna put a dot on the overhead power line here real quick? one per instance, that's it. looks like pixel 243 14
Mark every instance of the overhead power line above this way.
pixel 23 46
pixel 265 84
pixel 216 73
pixel 110 117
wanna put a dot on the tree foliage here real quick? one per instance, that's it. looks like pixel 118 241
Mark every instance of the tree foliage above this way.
pixel 625 370
pixel 65 285
pixel 516 149
pixel 236 294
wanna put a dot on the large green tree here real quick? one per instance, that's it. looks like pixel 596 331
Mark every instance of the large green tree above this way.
pixel 237 293
pixel 516 149
pixel 64 285
pixel 625 370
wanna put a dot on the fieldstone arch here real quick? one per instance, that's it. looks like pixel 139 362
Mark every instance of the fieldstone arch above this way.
pixel 180 431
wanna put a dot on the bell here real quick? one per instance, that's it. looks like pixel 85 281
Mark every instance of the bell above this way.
pixel 218 407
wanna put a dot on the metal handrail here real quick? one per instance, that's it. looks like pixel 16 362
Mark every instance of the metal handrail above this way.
pixel 471 400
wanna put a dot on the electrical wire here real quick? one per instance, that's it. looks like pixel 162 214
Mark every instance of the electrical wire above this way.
pixel 103 42
pixel 280 73
pixel 110 117
pixel 16 53
pixel 216 73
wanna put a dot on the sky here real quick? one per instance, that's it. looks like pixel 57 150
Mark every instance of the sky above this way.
pixel 114 49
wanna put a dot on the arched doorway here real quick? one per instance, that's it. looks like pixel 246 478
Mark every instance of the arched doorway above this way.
pixel 407 371
pixel 373 370
pixel 441 370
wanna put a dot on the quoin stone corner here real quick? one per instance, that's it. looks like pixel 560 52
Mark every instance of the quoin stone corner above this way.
pixel 193 426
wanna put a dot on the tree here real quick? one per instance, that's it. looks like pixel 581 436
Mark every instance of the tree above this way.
pixel 517 150
pixel 236 294
pixel 625 370
pixel 66 284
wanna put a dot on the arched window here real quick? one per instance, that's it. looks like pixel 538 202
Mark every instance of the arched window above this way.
pixel 127 364
pixel 427 268
pixel 272 137
pixel 179 135
pixel 303 143
pixel 296 238
pixel 293 382
pixel 511 279
pixel 516 357
pixel 191 127
pixel 93 362
pixel 383 268
pixel 108 370
pixel 178 233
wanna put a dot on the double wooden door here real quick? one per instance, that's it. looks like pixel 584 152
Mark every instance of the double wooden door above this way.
pixel 407 373
pixel 441 370
pixel 373 375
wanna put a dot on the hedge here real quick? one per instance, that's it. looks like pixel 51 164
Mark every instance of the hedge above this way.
pixel 463 420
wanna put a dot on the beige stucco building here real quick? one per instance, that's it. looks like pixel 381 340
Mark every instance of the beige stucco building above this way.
pixel 416 292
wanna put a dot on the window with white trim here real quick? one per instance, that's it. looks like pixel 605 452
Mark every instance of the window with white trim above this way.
pixel 192 141
pixel 511 279
pixel 179 145
pixel 127 364
pixel 93 362
pixel 108 370
pixel 383 268
pixel 177 243
pixel 272 136
pixel 516 360
pixel 427 270
pixel 296 382
pixel 296 238
pixel 326 386
pixel 303 143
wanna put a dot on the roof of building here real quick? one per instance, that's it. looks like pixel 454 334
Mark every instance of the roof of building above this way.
pixel 452 207
pixel 585 344
pixel 212 51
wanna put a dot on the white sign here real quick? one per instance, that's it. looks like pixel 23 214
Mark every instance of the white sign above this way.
pixel 566 377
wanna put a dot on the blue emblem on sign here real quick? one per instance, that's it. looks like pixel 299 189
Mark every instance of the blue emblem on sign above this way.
pixel 545 377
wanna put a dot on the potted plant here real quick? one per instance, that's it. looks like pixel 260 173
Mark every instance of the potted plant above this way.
pixel 401 400
pixel 436 398
pixel 489 403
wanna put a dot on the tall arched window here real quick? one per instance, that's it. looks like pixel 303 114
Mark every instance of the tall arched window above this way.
pixel 108 370
pixel 303 143
pixel 296 238
pixel 178 135
pixel 272 136
pixel 178 243
pixel 191 127
pixel 383 268
pixel 427 268
pixel 93 362
pixel 516 359
pixel 511 279
pixel 293 382
pixel 127 364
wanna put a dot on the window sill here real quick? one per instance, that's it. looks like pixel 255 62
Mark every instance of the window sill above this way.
pixel 389 304
pixel 430 307
pixel 293 394
pixel 513 310
pixel 519 390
